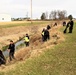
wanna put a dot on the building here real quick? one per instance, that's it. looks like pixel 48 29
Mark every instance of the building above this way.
pixel 5 18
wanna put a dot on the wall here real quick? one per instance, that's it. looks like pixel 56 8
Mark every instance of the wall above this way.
pixel 5 18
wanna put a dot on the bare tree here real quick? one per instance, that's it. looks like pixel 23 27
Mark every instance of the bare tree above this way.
pixel 58 14
pixel 61 14
pixel 53 15
pixel 46 15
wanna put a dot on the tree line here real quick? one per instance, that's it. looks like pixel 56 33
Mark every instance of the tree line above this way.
pixel 56 14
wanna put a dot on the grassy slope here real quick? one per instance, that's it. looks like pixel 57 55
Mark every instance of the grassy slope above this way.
pixel 58 61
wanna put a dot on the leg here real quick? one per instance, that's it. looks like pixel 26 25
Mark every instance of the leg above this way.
pixel 13 55
pixel 42 38
pixel 64 31
pixel 10 56
pixel 45 38
pixel 48 37
pixel 70 30
pixel 27 44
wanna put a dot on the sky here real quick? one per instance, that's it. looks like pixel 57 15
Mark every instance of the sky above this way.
pixel 21 8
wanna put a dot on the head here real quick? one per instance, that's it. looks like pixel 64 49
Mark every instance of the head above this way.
pixel 11 42
pixel 26 34
pixel 43 29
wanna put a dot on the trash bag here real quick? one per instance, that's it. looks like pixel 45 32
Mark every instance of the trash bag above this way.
pixel 2 58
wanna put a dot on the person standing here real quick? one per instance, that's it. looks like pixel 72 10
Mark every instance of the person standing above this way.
pixel 26 40
pixel 11 50
pixel 71 26
pixel 46 35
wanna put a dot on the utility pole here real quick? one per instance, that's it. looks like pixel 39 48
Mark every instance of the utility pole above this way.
pixel 31 11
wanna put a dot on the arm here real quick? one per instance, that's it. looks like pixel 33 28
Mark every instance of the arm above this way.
pixel 28 37
pixel 9 48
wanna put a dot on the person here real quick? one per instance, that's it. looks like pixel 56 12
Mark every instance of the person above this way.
pixel 26 40
pixel 46 35
pixel 64 23
pixel 55 24
pixel 66 27
pixel 71 26
pixel 48 27
pixel 2 58
pixel 43 38
pixel 11 50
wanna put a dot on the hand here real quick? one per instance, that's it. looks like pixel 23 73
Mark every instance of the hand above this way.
pixel 8 50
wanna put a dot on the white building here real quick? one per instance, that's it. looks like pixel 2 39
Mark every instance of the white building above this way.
pixel 5 18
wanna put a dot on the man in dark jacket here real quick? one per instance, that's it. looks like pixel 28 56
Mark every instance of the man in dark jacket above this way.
pixel 11 50
pixel 71 26
pixel 2 58
pixel 46 35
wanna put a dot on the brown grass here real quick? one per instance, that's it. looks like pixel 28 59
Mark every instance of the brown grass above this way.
pixel 37 47
pixel 14 22
pixel 15 32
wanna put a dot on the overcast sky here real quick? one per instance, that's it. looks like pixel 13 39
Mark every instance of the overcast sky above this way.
pixel 20 8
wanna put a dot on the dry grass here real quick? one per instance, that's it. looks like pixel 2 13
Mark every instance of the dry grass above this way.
pixel 14 22
pixel 37 47
pixel 15 32
pixel 59 60
pixel 19 22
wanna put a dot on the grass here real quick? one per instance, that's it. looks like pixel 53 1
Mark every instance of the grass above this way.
pixel 4 48
pixel 60 60
pixel 22 24
pixel 14 30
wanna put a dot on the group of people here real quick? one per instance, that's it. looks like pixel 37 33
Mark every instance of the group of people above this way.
pixel 11 47
pixel 45 36
pixel 69 25
pixel 11 50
